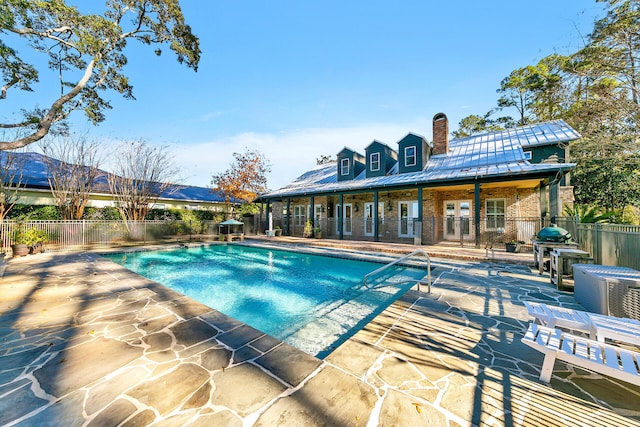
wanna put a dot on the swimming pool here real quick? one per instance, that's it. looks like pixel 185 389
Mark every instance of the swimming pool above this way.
pixel 311 302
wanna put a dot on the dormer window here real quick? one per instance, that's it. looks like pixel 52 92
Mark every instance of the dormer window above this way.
pixel 344 167
pixel 527 155
pixel 410 156
pixel 374 161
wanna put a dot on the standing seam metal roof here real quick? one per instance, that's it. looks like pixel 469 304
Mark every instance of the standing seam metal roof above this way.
pixel 35 175
pixel 487 155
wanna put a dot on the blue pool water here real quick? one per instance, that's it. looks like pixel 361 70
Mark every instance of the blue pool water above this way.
pixel 311 302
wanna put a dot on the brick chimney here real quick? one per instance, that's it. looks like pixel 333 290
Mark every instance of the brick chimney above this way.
pixel 440 134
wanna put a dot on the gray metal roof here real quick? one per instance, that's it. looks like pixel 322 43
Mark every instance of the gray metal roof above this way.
pixel 35 175
pixel 491 155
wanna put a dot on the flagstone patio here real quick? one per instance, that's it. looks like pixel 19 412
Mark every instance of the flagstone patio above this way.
pixel 83 341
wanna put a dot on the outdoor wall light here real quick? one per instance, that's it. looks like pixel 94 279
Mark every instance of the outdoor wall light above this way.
pixel 355 207
pixel 389 206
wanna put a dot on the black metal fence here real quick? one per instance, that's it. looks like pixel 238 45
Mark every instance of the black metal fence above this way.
pixel 463 231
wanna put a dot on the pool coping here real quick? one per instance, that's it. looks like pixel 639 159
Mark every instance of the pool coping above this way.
pixel 369 257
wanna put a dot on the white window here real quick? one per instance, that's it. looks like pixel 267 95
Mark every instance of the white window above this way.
pixel 299 214
pixel 410 156
pixel 374 161
pixel 344 167
pixel 495 213
pixel 527 155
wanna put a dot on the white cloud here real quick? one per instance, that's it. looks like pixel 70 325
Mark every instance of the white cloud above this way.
pixel 210 116
pixel 290 153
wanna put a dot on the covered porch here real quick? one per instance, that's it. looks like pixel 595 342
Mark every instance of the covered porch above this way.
pixel 475 214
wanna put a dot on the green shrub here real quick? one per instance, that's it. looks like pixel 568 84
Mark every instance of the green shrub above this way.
pixel 589 214
pixel 30 237
pixel 34 212
pixel 107 213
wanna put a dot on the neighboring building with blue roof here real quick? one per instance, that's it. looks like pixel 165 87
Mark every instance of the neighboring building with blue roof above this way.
pixel 36 190
pixel 466 189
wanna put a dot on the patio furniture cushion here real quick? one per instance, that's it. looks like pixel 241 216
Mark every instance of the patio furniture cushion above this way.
pixel 595 356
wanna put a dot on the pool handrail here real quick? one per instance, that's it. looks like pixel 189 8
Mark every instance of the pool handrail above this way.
pixel 396 261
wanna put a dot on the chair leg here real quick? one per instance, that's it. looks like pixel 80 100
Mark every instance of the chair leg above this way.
pixel 547 366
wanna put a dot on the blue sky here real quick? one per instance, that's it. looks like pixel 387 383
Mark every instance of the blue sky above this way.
pixel 297 80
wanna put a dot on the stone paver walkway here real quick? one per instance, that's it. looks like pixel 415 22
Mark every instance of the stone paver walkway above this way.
pixel 84 341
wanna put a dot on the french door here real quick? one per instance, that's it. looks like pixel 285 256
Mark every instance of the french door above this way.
pixel 408 213
pixel 346 219
pixel 457 219
pixel 368 217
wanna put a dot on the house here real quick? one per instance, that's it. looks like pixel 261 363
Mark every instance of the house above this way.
pixel 493 185
pixel 36 190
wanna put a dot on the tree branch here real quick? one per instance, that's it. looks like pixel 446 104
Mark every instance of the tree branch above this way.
pixel 3 91
pixel 52 115
pixel 45 34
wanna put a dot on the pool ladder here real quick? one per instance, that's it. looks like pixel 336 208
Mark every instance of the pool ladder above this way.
pixel 418 281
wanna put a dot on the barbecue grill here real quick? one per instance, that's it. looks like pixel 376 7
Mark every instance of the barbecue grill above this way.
pixel 554 234
pixel 548 239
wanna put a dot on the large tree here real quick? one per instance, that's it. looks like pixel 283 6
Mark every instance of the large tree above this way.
pixel 616 41
pixel 245 179
pixel 474 123
pixel 73 166
pixel 87 51
pixel 597 91
pixel 515 92
pixel 141 174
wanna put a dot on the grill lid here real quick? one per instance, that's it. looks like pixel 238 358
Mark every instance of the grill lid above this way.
pixel 554 233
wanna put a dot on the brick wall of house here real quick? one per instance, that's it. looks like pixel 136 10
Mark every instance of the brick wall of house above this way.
pixel 566 197
pixel 520 203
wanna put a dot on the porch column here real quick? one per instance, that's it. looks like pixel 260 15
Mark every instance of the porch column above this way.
pixel 554 199
pixel 476 211
pixel 375 217
pixel 418 236
pixel 269 216
pixel 312 217
pixel 288 217
pixel 260 216
pixel 340 218
pixel 544 202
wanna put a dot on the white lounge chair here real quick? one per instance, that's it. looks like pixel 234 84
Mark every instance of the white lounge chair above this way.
pixel 595 356
pixel 562 317
pixel 598 326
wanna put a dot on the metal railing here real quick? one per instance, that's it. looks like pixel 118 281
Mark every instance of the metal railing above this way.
pixel 87 234
pixel 394 262
pixel 431 230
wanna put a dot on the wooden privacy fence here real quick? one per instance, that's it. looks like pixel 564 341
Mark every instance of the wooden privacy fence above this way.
pixel 72 235
pixel 609 244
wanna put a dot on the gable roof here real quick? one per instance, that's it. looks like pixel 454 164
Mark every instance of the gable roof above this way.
pixel 485 156
pixel 35 176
